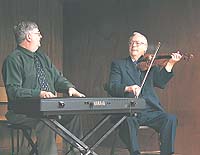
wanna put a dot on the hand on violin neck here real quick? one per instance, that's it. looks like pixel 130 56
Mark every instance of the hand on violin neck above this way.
pixel 175 57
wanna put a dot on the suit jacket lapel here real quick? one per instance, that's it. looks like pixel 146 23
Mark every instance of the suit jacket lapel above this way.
pixel 132 71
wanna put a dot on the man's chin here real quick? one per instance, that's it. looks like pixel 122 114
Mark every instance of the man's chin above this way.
pixel 134 53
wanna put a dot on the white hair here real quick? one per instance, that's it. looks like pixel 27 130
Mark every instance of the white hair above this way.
pixel 141 35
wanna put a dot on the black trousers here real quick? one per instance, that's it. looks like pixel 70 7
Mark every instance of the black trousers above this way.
pixel 162 122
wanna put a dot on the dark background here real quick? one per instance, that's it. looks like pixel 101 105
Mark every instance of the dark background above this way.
pixel 82 37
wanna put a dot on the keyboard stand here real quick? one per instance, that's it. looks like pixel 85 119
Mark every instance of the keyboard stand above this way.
pixel 80 143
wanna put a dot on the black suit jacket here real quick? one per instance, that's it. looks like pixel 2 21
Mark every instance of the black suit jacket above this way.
pixel 124 73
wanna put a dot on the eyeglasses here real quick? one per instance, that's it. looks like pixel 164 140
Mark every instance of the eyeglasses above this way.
pixel 38 33
pixel 137 43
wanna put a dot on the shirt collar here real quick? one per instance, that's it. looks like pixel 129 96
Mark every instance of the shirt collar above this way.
pixel 133 60
pixel 25 51
pixel 139 60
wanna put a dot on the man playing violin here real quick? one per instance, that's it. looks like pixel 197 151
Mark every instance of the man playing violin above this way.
pixel 125 81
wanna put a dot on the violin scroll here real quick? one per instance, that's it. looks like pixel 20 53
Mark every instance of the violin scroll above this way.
pixel 187 56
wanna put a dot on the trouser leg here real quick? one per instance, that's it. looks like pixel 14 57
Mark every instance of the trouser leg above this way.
pixel 165 124
pixel 167 135
pixel 45 136
pixel 46 140
pixel 128 134
pixel 20 119
pixel 73 124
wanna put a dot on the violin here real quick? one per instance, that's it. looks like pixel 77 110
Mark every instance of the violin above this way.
pixel 160 60
pixel 148 60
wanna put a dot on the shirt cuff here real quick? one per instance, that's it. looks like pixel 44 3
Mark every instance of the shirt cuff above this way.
pixel 36 93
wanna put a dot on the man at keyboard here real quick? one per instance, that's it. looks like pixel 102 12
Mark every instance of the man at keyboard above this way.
pixel 125 81
pixel 28 72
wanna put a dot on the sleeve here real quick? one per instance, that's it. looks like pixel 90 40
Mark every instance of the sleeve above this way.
pixel 115 86
pixel 61 83
pixel 13 80
pixel 161 77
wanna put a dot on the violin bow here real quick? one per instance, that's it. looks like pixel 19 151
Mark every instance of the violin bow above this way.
pixel 148 70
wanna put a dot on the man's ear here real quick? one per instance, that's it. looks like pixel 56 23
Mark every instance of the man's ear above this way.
pixel 28 37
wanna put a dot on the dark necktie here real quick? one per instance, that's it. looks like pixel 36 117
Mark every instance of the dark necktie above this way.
pixel 41 76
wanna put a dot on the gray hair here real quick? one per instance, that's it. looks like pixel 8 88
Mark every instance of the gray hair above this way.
pixel 22 28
